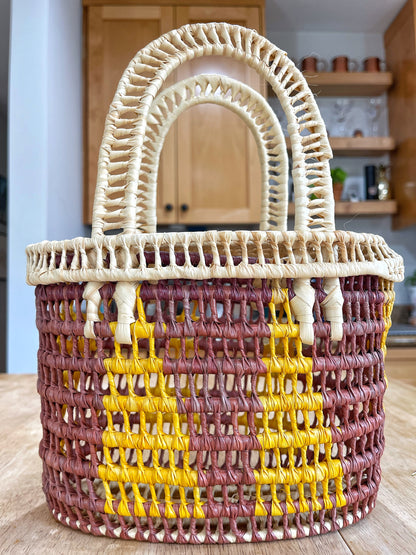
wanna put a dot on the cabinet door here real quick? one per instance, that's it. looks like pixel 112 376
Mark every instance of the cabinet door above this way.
pixel 218 168
pixel 400 45
pixel 113 36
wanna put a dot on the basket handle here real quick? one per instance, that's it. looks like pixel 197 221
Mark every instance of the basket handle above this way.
pixel 127 119
pixel 125 132
pixel 254 111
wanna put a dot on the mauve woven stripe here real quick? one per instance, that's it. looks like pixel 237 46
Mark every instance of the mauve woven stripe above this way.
pixel 215 404
pixel 62 429
pixel 223 443
pixel 55 394
pixel 362 334
pixel 87 365
pixel 202 366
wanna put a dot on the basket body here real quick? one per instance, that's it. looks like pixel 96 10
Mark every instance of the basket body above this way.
pixel 217 386
pixel 217 424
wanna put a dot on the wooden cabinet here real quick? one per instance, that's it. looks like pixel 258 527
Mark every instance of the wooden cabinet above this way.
pixel 112 36
pixel 400 46
pixel 209 171
pixel 218 168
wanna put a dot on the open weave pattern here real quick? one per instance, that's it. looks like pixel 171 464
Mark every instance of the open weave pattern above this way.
pixel 216 424
pixel 212 254
pixel 251 107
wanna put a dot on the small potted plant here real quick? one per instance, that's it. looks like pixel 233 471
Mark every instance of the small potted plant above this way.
pixel 411 284
pixel 338 178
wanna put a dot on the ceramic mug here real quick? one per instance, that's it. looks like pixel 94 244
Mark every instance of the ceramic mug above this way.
pixel 310 64
pixel 374 64
pixel 343 63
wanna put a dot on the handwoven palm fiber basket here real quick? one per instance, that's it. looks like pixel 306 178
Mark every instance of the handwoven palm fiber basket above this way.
pixel 213 386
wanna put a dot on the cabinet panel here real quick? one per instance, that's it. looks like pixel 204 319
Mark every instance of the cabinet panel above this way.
pixel 400 45
pixel 113 36
pixel 218 167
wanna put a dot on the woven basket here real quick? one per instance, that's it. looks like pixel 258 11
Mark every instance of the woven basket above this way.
pixel 213 386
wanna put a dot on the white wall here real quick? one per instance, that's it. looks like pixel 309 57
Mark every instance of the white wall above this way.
pixel 65 149
pixel 45 150
pixel 3 143
pixel 328 45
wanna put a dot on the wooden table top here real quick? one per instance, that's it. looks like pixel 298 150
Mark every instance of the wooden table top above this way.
pixel 26 525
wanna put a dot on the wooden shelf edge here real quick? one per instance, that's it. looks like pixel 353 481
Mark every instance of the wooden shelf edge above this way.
pixel 358 146
pixel 366 207
pixel 358 83
pixel 361 146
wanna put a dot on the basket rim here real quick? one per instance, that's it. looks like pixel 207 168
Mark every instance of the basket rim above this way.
pixel 216 254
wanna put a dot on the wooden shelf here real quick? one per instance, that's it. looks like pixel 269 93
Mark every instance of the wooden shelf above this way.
pixel 367 207
pixel 358 146
pixel 357 83
pixel 361 146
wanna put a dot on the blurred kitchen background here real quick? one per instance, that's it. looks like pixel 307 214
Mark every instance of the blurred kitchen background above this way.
pixel 60 61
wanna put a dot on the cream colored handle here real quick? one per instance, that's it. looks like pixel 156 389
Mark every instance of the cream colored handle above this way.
pixel 128 118
pixel 254 111
pixel 126 123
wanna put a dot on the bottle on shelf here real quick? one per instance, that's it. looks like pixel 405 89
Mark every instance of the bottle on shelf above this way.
pixel 370 173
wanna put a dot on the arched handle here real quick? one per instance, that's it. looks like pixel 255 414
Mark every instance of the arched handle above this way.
pixel 126 122
pixel 254 111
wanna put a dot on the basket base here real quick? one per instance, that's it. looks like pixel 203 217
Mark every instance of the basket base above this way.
pixel 194 531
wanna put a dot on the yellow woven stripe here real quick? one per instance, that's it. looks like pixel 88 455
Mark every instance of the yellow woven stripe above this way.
pixel 148 441
pixel 136 404
pixel 157 429
pixel 178 477
pixel 295 439
pixel 388 289
pixel 316 473
pixel 289 365
pixel 301 401
pixel 283 399
pixel 133 366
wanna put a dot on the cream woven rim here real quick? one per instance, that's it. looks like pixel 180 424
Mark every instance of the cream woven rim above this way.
pixel 263 254
pixel 125 196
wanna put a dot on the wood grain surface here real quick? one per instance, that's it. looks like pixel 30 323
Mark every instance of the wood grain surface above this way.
pixel 400 50
pixel 26 525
